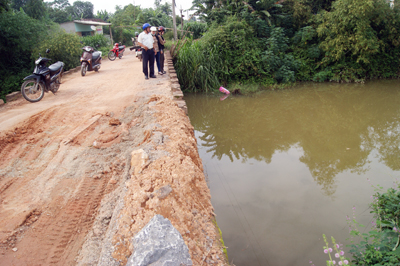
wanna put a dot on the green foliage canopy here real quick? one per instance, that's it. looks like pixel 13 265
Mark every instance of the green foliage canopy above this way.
pixel 65 47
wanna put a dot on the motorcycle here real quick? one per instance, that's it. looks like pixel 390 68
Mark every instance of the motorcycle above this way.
pixel 139 52
pixel 137 48
pixel 43 79
pixel 90 60
pixel 117 51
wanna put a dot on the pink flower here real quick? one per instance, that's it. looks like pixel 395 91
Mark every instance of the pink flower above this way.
pixel 340 263
pixel 341 253
pixel 326 251
pixel 333 262
pixel 395 229
pixel 337 246
pixel 346 262
pixel 337 255
pixel 330 250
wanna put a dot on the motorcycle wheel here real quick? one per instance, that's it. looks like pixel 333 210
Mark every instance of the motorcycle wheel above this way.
pixel 140 57
pixel 112 56
pixel 83 69
pixel 32 90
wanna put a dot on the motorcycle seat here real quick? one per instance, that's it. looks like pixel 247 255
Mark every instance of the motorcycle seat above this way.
pixel 96 55
pixel 56 66
pixel 121 48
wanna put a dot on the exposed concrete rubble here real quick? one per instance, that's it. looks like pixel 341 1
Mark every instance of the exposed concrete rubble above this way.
pixel 159 244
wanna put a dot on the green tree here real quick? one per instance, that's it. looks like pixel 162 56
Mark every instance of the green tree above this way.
pixel 80 9
pixel 57 11
pixel 166 8
pixel 4 5
pixel 125 16
pixel 64 47
pixel 19 34
pixel 349 29
pixel 103 14
pixel 35 9
pixel 18 4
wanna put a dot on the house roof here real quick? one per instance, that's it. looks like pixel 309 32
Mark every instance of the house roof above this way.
pixel 92 22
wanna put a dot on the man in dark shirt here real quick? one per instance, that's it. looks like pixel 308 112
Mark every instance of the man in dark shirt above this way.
pixel 161 43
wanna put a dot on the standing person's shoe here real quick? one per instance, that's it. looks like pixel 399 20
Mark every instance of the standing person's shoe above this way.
pixel 164 72
pixel 153 77
pixel 160 73
pixel 146 77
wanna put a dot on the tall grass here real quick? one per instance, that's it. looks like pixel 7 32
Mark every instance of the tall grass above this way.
pixel 196 67
pixel 168 44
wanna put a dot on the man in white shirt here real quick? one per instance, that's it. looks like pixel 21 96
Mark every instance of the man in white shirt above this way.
pixel 146 41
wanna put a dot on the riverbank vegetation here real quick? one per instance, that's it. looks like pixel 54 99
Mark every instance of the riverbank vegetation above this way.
pixel 378 247
pixel 267 43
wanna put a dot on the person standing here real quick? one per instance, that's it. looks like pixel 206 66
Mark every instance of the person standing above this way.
pixel 156 49
pixel 146 41
pixel 161 43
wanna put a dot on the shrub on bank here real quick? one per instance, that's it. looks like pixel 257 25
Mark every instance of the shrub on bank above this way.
pixel 65 47
pixel 96 41
pixel 380 246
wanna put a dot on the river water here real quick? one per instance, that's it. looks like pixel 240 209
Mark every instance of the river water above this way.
pixel 286 166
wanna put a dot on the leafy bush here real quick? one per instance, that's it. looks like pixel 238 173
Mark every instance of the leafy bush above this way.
pixel 11 83
pixel 19 34
pixel 96 41
pixel 363 51
pixel 381 245
pixel 197 28
pixel 168 44
pixel 323 75
pixel 238 51
pixel 281 65
pixel 65 47
pixel 169 35
pixel 124 36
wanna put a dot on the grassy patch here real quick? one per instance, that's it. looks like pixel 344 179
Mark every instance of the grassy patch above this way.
pixel 221 240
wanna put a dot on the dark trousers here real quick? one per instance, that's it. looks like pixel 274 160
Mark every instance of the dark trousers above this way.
pixel 162 61
pixel 148 57
pixel 158 61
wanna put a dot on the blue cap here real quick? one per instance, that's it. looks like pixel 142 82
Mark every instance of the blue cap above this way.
pixel 146 25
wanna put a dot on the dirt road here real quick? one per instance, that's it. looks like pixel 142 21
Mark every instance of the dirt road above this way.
pixel 69 192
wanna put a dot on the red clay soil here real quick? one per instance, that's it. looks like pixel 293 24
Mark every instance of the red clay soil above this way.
pixel 72 193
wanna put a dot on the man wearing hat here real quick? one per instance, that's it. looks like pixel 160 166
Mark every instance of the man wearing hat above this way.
pixel 146 41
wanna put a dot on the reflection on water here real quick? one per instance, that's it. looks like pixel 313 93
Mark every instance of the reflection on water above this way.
pixel 281 163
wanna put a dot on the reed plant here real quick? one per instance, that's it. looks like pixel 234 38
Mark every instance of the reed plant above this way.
pixel 196 67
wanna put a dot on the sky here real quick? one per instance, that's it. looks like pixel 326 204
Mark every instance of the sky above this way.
pixel 110 5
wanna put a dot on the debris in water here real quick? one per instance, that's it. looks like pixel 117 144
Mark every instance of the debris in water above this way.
pixel 223 90
pixel 223 97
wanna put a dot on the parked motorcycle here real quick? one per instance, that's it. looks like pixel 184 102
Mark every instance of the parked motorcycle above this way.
pixel 43 79
pixel 90 60
pixel 137 49
pixel 117 51
pixel 139 52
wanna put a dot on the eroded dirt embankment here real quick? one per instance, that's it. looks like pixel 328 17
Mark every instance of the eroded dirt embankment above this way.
pixel 72 193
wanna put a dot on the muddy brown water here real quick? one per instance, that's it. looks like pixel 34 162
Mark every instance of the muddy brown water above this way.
pixel 287 166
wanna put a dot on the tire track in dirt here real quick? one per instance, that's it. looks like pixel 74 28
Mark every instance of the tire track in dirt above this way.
pixel 66 231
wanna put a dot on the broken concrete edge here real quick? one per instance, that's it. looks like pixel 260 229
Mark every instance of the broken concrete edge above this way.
pixel 176 90
pixel 161 243
pixel 221 240
pixel 177 94
pixel 13 96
